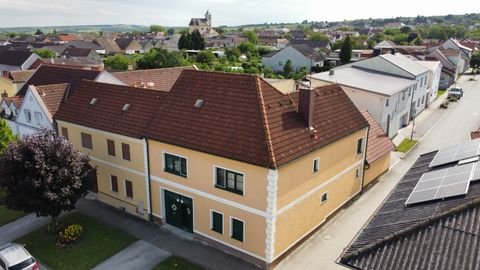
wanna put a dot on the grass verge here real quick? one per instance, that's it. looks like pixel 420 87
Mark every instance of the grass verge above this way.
pixel 441 92
pixel 406 145
pixel 7 215
pixel 100 242
pixel 178 263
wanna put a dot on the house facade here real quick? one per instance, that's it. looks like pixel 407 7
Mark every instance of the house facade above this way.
pixel 12 60
pixel 12 81
pixel 434 76
pixel 300 56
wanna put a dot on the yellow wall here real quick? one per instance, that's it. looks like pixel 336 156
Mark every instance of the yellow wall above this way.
pixel 337 176
pixel 376 169
pixel 133 170
pixel 9 86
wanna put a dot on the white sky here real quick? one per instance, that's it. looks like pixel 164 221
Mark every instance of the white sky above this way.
pixel 224 12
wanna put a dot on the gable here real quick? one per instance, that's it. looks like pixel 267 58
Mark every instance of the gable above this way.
pixel 381 65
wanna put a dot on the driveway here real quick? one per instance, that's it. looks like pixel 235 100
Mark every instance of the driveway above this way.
pixel 435 128
pixel 139 255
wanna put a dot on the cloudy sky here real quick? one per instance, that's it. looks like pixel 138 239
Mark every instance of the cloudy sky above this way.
pixel 224 12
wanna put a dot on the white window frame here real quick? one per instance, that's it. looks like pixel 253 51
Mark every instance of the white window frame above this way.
pixel 28 113
pixel 234 171
pixel 38 119
pixel 211 221
pixel 321 197
pixel 164 163
pixel 316 161
pixel 231 229
pixel 361 148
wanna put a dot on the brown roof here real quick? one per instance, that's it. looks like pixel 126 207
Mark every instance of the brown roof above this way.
pixel 106 114
pixel 17 101
pixel 52 95
pixel 450 52
pixel 14 58
pixel 67 37
pixel 475 135
pixel 108 44
pixel 244 118
pixel 50 74
pixel 378 144
pixel 20 75
pixel 163 78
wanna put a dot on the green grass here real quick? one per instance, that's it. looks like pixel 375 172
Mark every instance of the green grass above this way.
pixel 7 215
pixel 406 145
pixel 175 262
pixel 440 92
pixel 100 242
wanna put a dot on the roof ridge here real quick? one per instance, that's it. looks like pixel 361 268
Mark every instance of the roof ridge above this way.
pixel 410 230
pixel 266 128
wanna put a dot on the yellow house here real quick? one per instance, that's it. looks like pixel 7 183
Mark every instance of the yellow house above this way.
pixel 107 122
pixel 249 169
pixel 12 81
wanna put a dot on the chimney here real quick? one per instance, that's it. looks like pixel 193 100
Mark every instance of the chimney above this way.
pixel 306 104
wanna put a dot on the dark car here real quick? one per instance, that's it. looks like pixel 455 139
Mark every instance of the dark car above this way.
pixel 456 92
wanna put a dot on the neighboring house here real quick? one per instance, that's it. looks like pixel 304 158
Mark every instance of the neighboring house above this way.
pixel 379 149
pixel 301 53
pixel 64 38
pixel 80 53
pixel 249 169
pixel 387 97
pixel 203 25
pixel 161 79
pixel 448 74
pixel 12 81
pixel 75 62
pixel 129 45
pixel 10 109
pixel 465 53
pixel 429 220
pixel 385 46
pixel 39 105
pixel 108 44
pixel 12 60
pixel 169 42
pixel 80 44
pixel 402 66
pixel 147 45
pixel 107 122
pixel 434 75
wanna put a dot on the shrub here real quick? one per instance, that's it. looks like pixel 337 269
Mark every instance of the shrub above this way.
pixel 69 235
pixel 55 228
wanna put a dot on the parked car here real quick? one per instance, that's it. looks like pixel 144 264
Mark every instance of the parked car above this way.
pixel 455 92
pixel 16 257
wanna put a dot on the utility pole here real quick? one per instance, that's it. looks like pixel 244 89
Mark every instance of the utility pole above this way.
pixel 413 116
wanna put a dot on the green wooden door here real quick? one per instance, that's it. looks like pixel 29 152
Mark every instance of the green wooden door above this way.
pixel 179 211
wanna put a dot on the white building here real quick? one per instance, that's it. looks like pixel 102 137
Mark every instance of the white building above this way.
pixel 434 74
pixel 301 53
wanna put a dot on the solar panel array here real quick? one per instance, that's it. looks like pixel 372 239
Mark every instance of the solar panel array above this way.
pixel 440 184
pixel 476 173
pixel 456 152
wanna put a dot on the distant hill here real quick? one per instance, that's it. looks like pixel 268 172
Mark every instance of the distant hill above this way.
pixel 77 28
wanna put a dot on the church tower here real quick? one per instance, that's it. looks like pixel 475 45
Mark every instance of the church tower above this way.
pixel 208 17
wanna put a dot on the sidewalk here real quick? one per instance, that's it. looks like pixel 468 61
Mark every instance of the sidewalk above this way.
pixel 196 252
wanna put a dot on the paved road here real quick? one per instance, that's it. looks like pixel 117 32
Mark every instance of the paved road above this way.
pixel 436 128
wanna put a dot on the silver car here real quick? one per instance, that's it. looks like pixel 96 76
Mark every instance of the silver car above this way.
pixel 16 257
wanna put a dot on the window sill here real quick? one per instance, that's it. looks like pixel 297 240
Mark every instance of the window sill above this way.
pixel 175 173
pixel 229 190
pixel 237 239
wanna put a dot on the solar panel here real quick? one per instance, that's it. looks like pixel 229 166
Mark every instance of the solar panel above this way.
pixel 457 152
pixel 444 183
pixel 476 173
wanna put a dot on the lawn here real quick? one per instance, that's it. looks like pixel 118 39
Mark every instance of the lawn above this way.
pixel 440 92
pixel 175 262
pixel 406 145
pixel 7 215
pixel 100 242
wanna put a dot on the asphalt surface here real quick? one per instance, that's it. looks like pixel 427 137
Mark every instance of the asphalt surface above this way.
pixel 434 129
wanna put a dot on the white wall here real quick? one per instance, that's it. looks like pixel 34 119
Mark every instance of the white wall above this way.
pixel 32 104
pixel 382 65
pixel 277 61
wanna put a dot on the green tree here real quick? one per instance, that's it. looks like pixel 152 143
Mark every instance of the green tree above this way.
pixel 475 61
pixel 232 54
pixel 405 29
pixel 170 31
pixel 418 41
pixel 185 42
pixel 198 42
pixel 250 36
pixel 220 31
pixel 118 62
pixel 45 53
pixel 247 47
pixel 160 58
pixel 318 37
pixel 43 174
pixel 346 51
pixel 38 32
pixel 205 57
pixel 6 135
pixel 157 28
pixel 288 67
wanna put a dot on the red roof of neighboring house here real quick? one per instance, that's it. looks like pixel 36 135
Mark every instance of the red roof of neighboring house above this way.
pixel 52 95
pixel 20 75
pixel 67 37
pixel 159 79
pixel 50 74
pixel 475 134
pixel 378 143
pixel 244 118
pixel 16 100
pixel 106 113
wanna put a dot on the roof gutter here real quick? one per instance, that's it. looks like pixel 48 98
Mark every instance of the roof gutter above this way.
pixel 149 181
pixel 365 161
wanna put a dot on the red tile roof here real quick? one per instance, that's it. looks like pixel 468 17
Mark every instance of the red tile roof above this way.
pixel 163 78
pixel 378 143
pixel 244 118
pixel 50 74
pixel 67 37
pixel 52 95
pixel 106 114
pixel 20 75
pixel 17 101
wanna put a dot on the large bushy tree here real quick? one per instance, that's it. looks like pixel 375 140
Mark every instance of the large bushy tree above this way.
pixel 45 53
pixel 159 58
pixel 6 135
pixel 43 174
pixel 198 42
pixel 117 62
